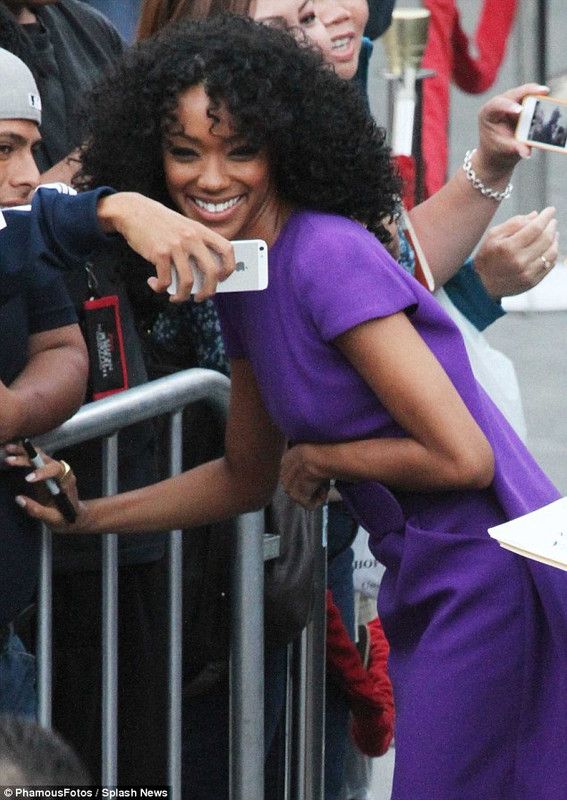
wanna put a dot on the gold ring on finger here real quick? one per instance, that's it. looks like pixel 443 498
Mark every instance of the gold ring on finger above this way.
pixel 546 263
pixel 66 471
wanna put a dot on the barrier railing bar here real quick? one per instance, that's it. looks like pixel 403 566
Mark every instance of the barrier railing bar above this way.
pixel 315 680
pixel 110 623
pixel 105 418
pixel 287 725
pixel 247 662
pixel 175 562
pixel 299 733
pixel 140 403
pixel 44 649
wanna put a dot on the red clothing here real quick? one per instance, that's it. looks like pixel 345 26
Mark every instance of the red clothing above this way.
pixel 448 54
pixel 369 690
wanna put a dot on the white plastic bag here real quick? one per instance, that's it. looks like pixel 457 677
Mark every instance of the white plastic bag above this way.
pixel 492 369
pixel 367 571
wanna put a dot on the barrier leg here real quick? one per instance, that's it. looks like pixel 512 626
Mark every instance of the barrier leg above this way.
pixel 315 682
pixel 44 630
pixel 175 566
pixel 110 625
pixel 247 662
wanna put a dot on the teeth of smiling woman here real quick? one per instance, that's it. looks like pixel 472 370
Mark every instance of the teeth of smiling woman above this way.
pixel 216 208
pixel 340 44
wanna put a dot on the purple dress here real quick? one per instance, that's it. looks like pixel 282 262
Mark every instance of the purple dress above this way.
pixel 478 635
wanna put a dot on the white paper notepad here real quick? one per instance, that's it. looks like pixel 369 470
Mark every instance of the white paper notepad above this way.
pixel 541 534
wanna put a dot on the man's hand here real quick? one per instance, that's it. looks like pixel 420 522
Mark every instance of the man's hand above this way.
pixel 165 238
pixel 518 254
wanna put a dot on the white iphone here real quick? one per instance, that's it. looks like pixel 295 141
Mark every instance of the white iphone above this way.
pixel 543 123
pixel 250 275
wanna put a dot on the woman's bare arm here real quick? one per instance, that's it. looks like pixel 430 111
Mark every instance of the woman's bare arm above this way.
pixel 444 449
pixel 450 223
pixel 242 480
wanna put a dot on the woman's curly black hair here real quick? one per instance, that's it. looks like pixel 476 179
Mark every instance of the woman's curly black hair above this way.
pixel 324 150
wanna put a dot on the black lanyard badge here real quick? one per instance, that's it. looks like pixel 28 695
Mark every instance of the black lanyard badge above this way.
pixel 105 344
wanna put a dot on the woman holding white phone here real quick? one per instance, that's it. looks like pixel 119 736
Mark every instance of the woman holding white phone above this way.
pixel 354 362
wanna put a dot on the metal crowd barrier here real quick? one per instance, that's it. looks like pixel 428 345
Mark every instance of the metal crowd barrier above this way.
pixel 105 418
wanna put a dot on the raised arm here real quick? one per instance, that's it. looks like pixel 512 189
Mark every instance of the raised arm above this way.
pixel 445 448
pixel 164 237
pixel 451 222
pixel 243 480
pixel 74 226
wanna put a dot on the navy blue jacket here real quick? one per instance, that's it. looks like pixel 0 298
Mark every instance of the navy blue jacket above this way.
pixel 57 232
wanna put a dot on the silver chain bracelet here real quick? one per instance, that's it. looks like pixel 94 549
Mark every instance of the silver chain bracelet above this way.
pixel 478 184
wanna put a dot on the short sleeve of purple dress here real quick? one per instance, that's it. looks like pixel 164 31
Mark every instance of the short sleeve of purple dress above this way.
pixel 478 635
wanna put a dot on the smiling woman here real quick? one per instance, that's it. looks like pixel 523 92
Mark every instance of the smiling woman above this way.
pixel 355 363
pixel 219 167
pixel 345 21
pixel 215 176
pixel 148 135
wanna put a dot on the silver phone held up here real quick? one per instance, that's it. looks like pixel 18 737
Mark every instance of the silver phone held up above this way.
pixel 250 275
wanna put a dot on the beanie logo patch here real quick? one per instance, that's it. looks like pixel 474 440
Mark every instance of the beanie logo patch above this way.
pixel 34 101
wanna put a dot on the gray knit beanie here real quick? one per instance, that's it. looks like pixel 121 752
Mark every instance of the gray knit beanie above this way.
pixel 19 97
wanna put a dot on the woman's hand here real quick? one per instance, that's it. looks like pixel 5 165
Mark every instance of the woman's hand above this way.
pixel 47 511
pixel 498 150
pixel 301 477
pixel 450 223
pixel 166 238
pixel 518 254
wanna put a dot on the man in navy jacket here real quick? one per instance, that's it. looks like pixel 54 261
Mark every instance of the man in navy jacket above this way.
pixel 43 367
